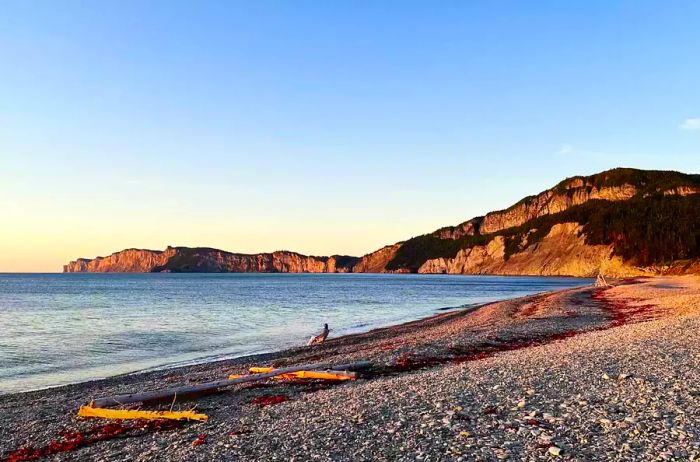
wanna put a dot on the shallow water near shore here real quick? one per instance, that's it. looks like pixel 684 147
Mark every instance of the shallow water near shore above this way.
pixel 64 328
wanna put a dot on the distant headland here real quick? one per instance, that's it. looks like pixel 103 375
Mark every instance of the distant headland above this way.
pixel 621 222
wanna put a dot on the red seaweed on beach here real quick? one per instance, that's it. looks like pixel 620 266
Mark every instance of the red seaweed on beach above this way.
pixel 201 439
pixel 408 362
pixel 70 440
pixel 404 361
pixel 269 400
pixel 622 312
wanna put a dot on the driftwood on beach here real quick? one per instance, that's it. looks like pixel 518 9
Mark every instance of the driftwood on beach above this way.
pixel 211 387
pixel 600 281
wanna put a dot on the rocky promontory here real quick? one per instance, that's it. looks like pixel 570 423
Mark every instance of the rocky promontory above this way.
pixel 620 222
pixel 206 260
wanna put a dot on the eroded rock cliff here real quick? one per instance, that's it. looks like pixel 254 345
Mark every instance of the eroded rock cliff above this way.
pixel 497 243
pixel 376 262
pixel 553 201
pixel 206 260
pixel 562 252
pixel 621 222
pixel 126 261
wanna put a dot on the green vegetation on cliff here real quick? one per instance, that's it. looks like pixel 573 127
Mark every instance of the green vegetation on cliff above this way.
pixel 646 182
pixel 189 260
pixel 652 230
pixel 651 218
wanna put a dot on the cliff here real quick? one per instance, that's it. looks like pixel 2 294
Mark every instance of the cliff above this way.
pixel 206 260
pixel 376 261
pixel 614 185
pixel 562 252
pixel 126 261
pixel 621 222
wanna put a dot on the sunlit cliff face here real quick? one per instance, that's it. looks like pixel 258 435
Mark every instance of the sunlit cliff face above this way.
pixel 184 259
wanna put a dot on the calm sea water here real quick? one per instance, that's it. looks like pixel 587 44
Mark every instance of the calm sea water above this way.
pixel 63 328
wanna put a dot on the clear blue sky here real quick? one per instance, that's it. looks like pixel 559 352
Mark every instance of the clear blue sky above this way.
pixel 322 127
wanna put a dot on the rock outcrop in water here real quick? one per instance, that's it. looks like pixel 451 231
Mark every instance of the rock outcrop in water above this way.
pixel 621 222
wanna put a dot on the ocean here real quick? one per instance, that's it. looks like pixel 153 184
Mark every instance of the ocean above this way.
pixel 63 328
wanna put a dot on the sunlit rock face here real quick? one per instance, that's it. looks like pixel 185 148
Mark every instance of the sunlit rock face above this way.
pixel 562 252
pixel 376 262
pixel 204 260
pixel 550 202
pixel 126 261
pixel 481 245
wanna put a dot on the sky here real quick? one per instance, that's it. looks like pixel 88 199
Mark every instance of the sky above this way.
pixel 321 127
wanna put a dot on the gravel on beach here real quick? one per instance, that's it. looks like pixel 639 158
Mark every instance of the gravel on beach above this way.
pixel 582 374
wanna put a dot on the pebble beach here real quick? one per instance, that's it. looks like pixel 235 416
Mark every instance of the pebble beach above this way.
pixel 581 374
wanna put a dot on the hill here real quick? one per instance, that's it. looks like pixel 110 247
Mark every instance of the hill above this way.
pixel 620 222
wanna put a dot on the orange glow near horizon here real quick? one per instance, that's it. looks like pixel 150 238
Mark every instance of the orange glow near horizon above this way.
pixel 45 242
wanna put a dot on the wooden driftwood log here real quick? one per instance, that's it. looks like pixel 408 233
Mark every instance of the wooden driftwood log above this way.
pixel 211 387
pixel 314 375
pixel 320 338
pixel 600 281
pixel 131 414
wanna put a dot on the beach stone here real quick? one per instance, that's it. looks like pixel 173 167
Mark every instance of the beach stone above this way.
pixel 439 409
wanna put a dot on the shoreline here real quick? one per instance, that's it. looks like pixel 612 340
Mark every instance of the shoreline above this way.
pixel 257 357
pixel 261 355
pixel 412 360
pixel 438 316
